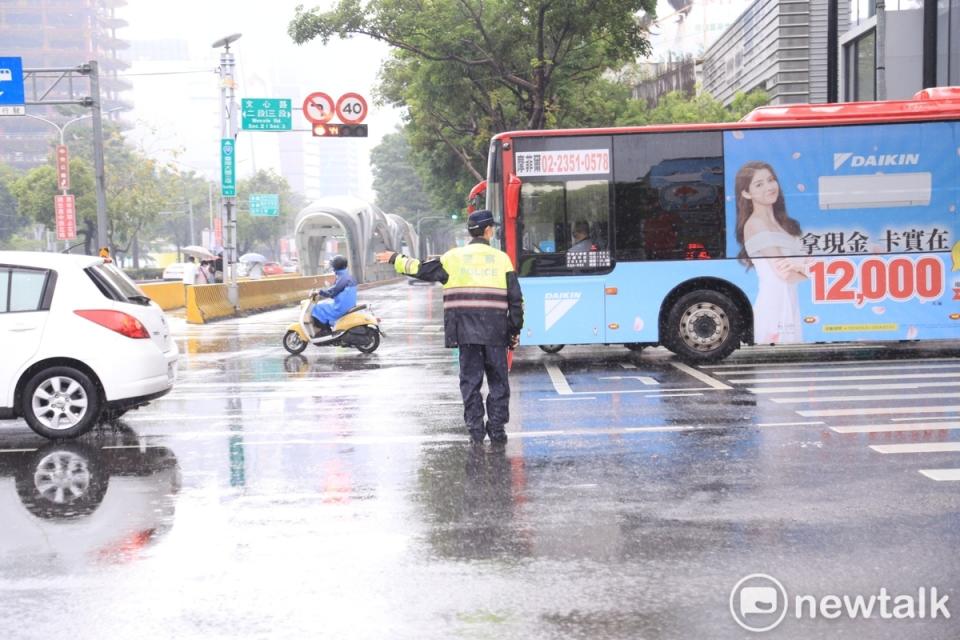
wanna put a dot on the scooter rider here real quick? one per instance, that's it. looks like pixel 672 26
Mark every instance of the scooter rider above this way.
pixel 343 296
pixel 482 315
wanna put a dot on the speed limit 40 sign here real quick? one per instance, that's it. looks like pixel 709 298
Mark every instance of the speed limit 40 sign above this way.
pixel 351 108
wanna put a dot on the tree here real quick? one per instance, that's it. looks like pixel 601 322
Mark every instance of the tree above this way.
pixel 676 108
pixel 36 189
pixel 398 185
pixel 468 69
pixel 10 219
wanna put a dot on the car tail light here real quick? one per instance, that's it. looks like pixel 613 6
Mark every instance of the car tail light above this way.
pixel 123 323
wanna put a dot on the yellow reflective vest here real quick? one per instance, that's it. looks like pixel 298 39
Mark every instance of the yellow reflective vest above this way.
pixel 482 301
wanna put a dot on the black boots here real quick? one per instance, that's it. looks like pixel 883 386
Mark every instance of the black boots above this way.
pixel 497 434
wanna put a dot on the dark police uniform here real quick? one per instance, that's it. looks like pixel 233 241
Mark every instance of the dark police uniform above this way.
pixel 482 314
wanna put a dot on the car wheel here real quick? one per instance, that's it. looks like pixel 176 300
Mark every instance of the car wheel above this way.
pixel 371 346
pixel 703 326
pixel 62 480
pixel 60 402
pixel 293 343
pixel 551 348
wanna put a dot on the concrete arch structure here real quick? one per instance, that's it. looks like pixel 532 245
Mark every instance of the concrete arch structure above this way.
pixel 354 228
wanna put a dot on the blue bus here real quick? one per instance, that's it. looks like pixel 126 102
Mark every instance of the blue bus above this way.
pixel 798 224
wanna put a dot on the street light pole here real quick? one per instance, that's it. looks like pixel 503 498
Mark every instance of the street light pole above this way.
pixel 61 129
pixel 228 130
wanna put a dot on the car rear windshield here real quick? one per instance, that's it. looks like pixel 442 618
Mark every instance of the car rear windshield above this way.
pixel 115 285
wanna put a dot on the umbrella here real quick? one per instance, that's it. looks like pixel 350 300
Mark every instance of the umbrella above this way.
pixel 198 252
pixel 252 257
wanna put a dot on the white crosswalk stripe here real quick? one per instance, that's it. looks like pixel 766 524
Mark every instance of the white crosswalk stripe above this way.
pixel 907 393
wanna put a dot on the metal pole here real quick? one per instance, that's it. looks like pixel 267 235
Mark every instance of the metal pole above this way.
pixel 228 129
pixel 833 61
pixel 881 50
pixel 210 205
pixel 193 239
pixel 98 155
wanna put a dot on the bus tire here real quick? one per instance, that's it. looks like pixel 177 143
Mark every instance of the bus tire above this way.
pixel 551 348
pixel 703 326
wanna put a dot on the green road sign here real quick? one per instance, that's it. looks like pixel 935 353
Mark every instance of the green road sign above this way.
pixel 266 114
pixel 228 168
pixel 264 204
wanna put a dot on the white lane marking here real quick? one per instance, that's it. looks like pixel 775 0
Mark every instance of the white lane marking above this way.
pixel 560 383
pixel 885 398
pixel 853 387
pixel 16 450
pixel 893 428
pixel 674 395
pixel 566 399
pixel 875 411
pixel 912 418
pixel 920 447
pixel 441 438
pixel 942 475
pixel 832 365
pixel 789 424
pixel 628 365
pixel 135 446
pixel 898 376
pixel 647 380
pixel 701 376
pixel 919 365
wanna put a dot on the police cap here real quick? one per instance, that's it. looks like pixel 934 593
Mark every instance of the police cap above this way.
pixel 480 219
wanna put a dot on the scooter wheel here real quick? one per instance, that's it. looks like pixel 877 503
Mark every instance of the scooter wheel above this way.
pixel 293 343
pixel 371 346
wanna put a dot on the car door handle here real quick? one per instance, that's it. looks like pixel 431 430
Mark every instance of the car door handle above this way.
pixel 22 327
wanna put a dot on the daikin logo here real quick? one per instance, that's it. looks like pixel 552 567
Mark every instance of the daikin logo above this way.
pixel 557 305
pixel 879 160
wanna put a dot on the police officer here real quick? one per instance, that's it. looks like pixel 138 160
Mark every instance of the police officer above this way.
pixel 482 315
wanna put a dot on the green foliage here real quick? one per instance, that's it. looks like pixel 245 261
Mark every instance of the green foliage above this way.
pixel 470 69
pixel 399 188
pixel 675 108
pixel 11 221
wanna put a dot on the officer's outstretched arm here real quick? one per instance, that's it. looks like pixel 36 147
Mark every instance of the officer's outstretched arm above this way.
pixel 431 270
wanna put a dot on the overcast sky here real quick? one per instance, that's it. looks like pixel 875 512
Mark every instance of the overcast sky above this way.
pixel 266 58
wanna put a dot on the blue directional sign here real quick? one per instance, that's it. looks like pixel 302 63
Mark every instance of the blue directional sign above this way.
pixel 264 204
pixel 11 87
pixel 228 168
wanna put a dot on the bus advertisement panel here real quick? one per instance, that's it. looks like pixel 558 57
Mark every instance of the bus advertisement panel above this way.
pixel 801 224
pixel 845 233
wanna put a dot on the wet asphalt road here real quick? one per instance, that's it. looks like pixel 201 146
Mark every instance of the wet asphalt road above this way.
pixel 334 495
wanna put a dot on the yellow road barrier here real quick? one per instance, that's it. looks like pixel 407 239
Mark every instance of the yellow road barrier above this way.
pixel 208 302
pixel 169 295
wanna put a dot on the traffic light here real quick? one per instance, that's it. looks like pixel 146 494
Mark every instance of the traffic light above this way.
pixel 340 130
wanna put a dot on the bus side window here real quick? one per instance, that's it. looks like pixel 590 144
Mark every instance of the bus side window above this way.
pixel 559 216
pixel 669 196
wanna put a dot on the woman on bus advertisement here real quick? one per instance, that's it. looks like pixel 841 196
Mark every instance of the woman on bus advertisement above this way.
pixel 864 252
pixel 765 230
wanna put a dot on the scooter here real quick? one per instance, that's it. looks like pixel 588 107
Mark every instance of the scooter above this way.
pixel 356 328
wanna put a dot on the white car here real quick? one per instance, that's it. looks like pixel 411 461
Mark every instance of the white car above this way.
pixel 80 342
pixel 173 271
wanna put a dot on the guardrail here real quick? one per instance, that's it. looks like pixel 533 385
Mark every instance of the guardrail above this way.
pixel 206 302
pixel 169 295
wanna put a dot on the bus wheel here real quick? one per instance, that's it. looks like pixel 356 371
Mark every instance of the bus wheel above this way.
pixel 551 348
pixel 703 326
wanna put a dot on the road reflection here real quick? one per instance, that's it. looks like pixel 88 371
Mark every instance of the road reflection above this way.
pixel 98 499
